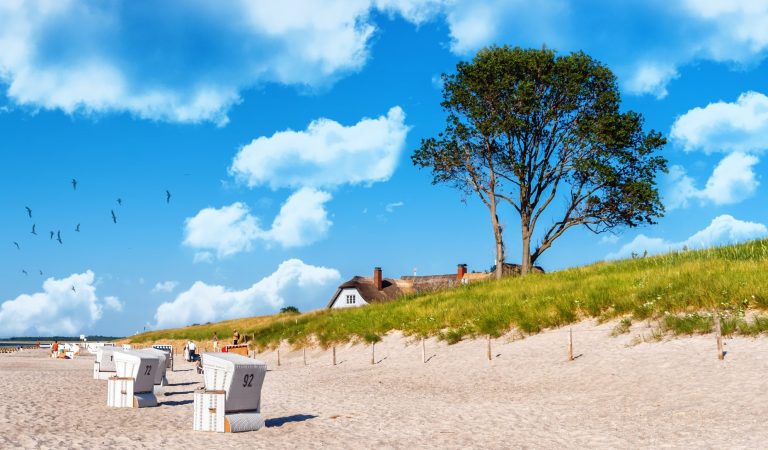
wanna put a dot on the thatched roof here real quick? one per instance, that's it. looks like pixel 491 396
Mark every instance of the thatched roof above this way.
pixel 391 289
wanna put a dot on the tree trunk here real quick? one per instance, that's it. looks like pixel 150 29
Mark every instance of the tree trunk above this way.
pixel 497 234
pixel 526 263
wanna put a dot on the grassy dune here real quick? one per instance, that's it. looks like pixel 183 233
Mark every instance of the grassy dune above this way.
pixel 678 292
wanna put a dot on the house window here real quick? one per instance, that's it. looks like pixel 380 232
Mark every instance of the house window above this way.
pixel 351 299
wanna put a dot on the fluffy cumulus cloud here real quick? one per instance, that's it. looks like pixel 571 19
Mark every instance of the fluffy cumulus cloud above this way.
pixel 180 61
pixel 722 230
pixel 326 154
pixel 64 306
pixel 732 181
pixel 165 286
pixel 294 283
pixel 642 40
pixel 740 126
pixel 189 60
pixel 232 229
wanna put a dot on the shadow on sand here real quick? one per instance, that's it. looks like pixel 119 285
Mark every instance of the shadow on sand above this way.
pixel 280 421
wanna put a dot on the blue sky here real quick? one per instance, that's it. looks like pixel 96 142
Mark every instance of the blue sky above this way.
pixel 284 133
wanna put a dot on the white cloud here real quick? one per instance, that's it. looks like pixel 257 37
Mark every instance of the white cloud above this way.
pixel 228 230
pixel 732 181
pixel 232 229
pixel 180 61
pixel 722 230
pixel 302 219
pixel 326 154
pixel 294 282
pixel 165 286
pixel 725 127
pixel 651 78
pixel 114 303
pixel 58 309
pixel 646 31
pixel 390 207
pixel 609 238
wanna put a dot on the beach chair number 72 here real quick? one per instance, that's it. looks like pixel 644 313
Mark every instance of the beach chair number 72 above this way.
pixel 247 380
pixel 148 369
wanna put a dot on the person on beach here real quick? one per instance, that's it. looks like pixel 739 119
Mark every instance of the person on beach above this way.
pixel 215 342
pixel 235 337
pixel 55 349
pixel 192 351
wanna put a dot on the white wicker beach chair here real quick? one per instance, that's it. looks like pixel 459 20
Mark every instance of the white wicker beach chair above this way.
pixel 231 401
pixel 133 385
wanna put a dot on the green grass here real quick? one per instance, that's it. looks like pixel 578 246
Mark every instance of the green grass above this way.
pixel 676 290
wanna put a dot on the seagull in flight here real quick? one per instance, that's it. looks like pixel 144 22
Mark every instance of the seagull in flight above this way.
pixel 74 184
pixel 119 201
pixel 114 217
pixel 58 237
pixel 24 272
pixel 77 228
pixel 33 229
pixel 52 233
pixel 167 196
pixel 73 289
pixel 41 272
pixel 17 245
pixel 29 211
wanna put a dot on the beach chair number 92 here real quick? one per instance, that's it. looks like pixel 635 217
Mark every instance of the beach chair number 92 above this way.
pixel 247 380
pixel 147 369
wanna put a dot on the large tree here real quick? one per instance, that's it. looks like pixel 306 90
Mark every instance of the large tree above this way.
pixel 544 133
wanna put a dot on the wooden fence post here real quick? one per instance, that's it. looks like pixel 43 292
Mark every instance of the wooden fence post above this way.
pixel 373 353
pixel 718 336
pixel 570 344
pixel 489 348
pixel 305 355
pixel 278 356
pixel 334 355
pixel 423 352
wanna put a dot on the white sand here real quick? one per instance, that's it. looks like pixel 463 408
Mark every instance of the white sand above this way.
pixel 652 395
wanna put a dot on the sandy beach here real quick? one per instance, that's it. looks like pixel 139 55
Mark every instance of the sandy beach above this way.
pixel 669 394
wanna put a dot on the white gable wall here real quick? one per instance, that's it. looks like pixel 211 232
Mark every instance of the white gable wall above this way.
pixel 341 299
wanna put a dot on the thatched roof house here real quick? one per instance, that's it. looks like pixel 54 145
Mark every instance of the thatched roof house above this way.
pixel 361 291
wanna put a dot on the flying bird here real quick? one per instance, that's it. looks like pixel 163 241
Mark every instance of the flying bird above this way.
pixel 167 196
pixel 58 237
pixel 52 233
pixel 29 211
pixel 114 217
pixel 74 184
pixel 73 289
pixel 41 272
pixel 24 272
pixel 33 229
pixel 17 245
pixel 77 228
pixel 120 201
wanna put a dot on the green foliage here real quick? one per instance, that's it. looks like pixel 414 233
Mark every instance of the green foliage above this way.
pixel 529 127
pixel 289 310
pixel 679 290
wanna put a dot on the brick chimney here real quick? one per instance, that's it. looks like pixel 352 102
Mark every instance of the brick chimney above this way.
pixel 377 278
pixel 461 271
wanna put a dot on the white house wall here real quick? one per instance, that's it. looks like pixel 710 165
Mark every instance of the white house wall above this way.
pixel 341 299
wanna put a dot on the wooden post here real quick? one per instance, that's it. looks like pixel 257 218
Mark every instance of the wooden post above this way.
pixel 570 344
pixel 489 348
pixel 305 355
pixel 373 353
pixel 334 355
pixel 278 356
pixel 718 336
pixel 423 352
